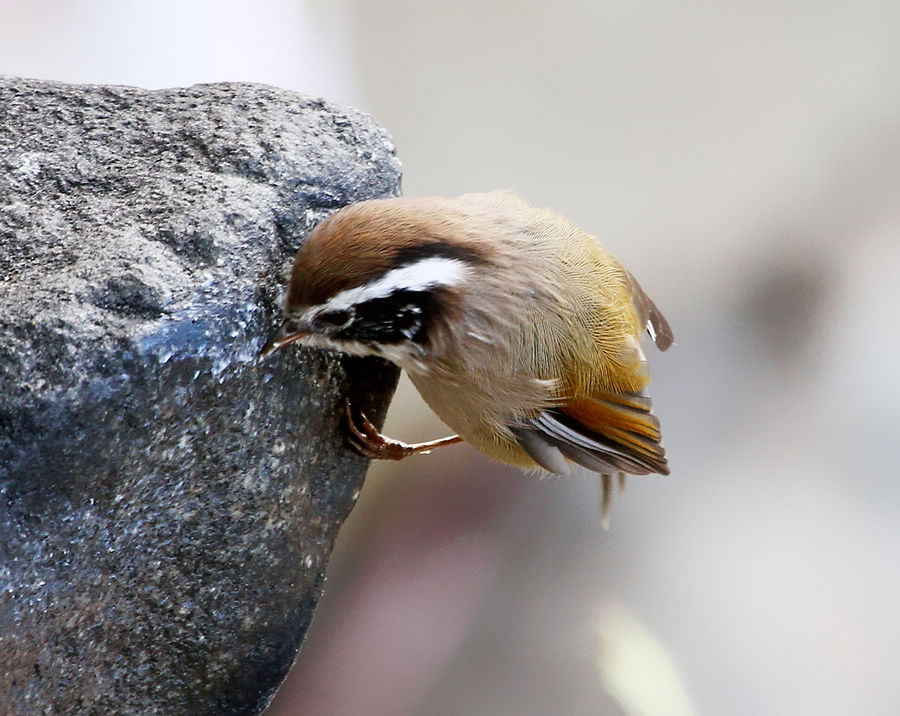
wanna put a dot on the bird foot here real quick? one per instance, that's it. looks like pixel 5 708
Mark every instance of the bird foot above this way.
pixel 368 442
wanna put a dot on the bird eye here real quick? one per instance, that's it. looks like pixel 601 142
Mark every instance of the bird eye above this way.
pixel 338 317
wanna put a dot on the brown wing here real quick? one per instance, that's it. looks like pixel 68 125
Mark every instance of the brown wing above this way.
pixel 607 433
pixel 650 316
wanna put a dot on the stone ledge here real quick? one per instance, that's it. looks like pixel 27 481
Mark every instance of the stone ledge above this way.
pixel 167 504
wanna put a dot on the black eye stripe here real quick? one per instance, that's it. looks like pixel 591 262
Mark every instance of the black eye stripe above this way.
pixel 401 316
pixel 337 317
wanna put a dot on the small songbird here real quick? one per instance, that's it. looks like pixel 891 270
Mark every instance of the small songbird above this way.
pixel 516 327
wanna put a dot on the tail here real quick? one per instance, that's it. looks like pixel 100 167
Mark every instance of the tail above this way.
pixel 606 494
pixel 651 317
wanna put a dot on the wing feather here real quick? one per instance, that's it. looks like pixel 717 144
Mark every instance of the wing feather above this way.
pixel 608 434
pixel 606 431
pixel 542 451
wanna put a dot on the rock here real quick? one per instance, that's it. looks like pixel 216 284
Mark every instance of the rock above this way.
pixel 168 504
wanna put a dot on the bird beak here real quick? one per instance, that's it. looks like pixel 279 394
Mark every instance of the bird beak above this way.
pixel 289 332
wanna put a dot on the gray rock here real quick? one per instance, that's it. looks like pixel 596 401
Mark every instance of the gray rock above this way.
pixel 167 503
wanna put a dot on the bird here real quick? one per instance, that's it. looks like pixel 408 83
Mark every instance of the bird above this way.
pixel 518 329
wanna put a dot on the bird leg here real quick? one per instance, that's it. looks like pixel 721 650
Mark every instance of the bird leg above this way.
pixel 368 442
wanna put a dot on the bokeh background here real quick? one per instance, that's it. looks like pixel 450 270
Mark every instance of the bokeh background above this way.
pixel 743 159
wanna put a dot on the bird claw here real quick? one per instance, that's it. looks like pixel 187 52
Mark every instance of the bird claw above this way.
pixel 370 443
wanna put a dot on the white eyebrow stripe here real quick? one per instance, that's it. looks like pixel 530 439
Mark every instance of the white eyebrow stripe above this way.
pixel 419 276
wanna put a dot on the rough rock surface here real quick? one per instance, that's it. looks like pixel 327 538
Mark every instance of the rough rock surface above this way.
pixel 167 503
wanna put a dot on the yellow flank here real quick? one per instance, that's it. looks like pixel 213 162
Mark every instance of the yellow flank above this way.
pixel 601 349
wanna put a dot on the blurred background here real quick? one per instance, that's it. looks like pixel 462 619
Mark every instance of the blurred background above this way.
pixel 743 160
